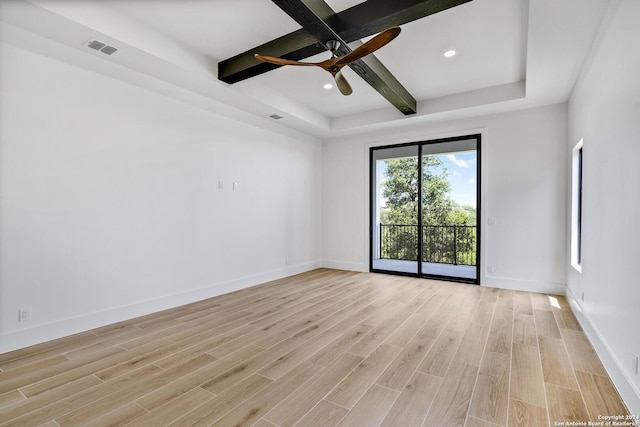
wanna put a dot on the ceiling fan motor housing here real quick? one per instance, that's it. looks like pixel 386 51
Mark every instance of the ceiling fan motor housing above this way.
pixel 333 45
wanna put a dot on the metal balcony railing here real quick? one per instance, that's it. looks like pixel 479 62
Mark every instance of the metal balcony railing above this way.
pixel 443 244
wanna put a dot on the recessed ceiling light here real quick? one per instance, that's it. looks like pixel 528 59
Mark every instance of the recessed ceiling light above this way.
pixel 450 53
pixel 328 86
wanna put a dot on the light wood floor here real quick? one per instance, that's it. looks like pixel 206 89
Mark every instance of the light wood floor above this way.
pixel 323 348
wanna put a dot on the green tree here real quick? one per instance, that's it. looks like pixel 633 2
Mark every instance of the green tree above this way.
pixel 461 215
pixel 401 191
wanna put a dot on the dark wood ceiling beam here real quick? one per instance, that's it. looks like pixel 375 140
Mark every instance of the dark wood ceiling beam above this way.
pixel 296 46
pixel 352 24
pixel 311 15
pixel 374 16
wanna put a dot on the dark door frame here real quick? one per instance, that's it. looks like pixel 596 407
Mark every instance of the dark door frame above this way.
pixel 372 226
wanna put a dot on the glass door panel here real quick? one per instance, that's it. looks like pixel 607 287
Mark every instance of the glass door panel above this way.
pixel 449 219
pixel 395 195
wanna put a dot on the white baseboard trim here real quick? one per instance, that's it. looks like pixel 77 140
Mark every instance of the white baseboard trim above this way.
pixel 625 385
pixel 524 285
pixel 14 340
pixel 349 266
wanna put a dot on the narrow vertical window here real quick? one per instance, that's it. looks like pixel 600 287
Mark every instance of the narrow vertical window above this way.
pixel 579 207
pixel 576 206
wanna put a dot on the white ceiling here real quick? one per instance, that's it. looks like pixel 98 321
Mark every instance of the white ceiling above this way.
pixel 511 54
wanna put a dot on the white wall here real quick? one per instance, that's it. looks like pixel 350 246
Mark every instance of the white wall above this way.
pixel 109 206
pixel 524 177
pixel 604 111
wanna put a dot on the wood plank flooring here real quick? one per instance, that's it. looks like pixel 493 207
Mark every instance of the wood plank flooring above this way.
pixel 324 348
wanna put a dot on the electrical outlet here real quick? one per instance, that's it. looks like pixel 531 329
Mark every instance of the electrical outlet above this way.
pixel 24 314
pixel 489 268
pixel 634 363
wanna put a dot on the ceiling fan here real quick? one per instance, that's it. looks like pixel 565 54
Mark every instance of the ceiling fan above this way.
pixel 335 63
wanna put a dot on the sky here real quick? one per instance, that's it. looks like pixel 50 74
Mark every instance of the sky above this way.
pixel 462 176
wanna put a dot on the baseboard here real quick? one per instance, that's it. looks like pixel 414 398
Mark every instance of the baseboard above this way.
pixel 628 390
pixel 349 266
pixel 524 285
pixel 14 340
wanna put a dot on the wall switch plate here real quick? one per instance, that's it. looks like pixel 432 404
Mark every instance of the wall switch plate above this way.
pixel 491 221
pixel 489 268
pixel 24 314
pixel 582 296
pixel 634 363
pixel 220 185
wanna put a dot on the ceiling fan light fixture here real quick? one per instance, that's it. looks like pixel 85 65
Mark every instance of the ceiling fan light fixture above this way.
pixel 450 53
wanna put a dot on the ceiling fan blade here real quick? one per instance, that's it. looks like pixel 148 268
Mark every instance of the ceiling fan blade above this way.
pixel 343 84
pixel 282 61
pixel 369 47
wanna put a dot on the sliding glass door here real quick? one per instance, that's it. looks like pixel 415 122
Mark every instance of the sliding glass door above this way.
pixel 424 209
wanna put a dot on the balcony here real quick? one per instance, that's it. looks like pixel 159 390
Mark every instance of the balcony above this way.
pixel 447 250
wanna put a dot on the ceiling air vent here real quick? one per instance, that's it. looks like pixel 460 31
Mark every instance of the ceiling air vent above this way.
pixel 102 47
pixel 276 117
